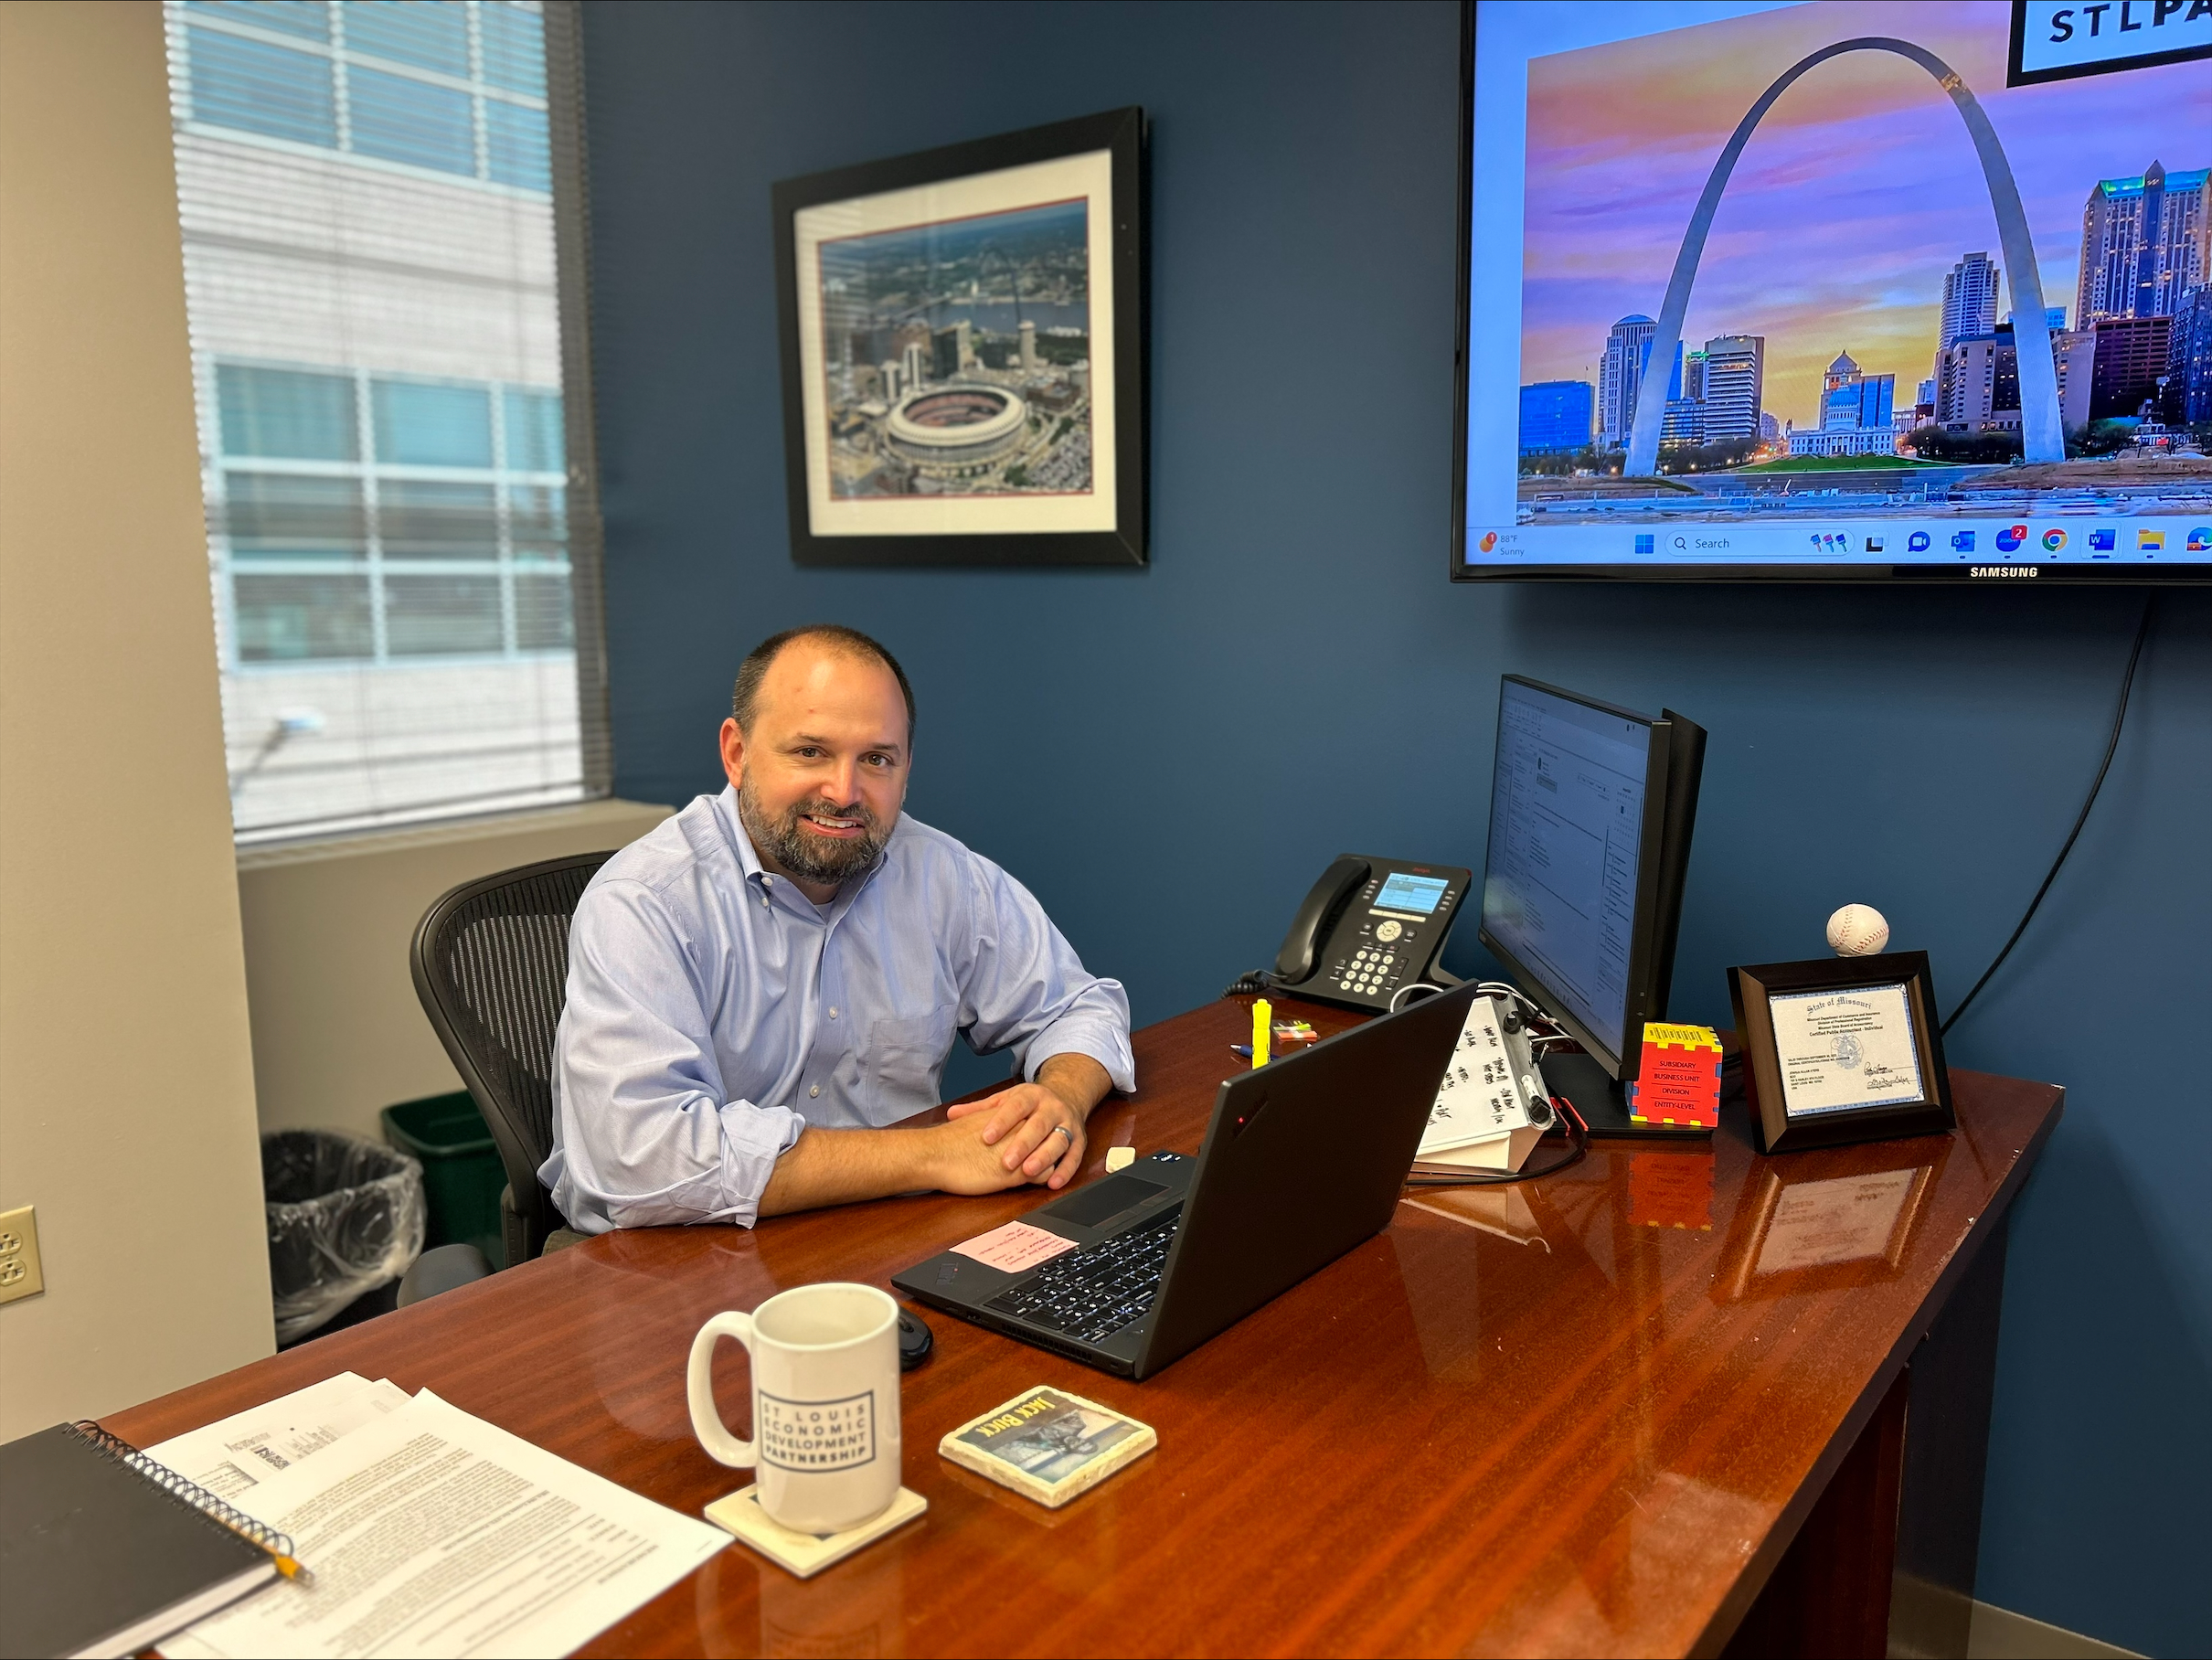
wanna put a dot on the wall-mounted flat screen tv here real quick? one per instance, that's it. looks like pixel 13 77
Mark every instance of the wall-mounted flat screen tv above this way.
pixel 1834 292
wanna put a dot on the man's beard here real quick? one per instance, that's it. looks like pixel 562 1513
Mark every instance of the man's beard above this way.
pixel 807 855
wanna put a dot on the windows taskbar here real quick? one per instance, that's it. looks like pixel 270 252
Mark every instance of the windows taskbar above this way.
pixel 2136 550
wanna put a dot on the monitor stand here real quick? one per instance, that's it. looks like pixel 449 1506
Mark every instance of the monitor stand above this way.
pixel 1600 1102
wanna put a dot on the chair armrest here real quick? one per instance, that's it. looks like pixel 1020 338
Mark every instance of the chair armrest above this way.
pixel 441 1270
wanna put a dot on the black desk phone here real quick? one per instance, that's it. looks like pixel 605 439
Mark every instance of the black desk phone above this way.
pixel 1370 928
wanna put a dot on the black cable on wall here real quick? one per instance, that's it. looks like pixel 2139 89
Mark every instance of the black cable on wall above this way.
pixel 2120 717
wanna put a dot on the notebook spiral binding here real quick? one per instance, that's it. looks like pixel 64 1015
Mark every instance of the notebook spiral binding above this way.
pixel 189 1491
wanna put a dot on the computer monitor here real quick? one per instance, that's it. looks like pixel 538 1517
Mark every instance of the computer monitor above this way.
pixel 1851 291
pixel 1591 809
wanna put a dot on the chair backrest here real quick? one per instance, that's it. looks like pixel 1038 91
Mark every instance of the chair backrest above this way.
pixel 491 965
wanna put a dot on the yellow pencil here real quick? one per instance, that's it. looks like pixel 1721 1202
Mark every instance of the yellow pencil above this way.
pixel 1264 1028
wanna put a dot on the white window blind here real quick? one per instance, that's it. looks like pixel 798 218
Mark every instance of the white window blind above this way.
pixel 401 531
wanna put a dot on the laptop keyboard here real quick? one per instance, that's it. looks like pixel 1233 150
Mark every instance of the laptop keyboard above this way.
pixel 1091 1294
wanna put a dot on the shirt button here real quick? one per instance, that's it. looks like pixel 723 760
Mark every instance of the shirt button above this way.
pixel 833 1014
pixel 816 1091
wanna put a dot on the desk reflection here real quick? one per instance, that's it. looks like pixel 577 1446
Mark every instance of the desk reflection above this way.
pixel 638 1318
pixel 1794 1236
pixel 1671 1187
pixel 855 1607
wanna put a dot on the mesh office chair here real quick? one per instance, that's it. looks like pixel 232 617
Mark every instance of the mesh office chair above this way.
pixel 491 964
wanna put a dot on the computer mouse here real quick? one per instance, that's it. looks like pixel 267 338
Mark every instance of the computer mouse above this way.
pixel 915 1341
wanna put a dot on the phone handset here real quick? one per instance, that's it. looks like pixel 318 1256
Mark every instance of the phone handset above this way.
pixel 1323 904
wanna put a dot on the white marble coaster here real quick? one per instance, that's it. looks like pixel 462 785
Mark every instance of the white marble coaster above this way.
pixel 806 1554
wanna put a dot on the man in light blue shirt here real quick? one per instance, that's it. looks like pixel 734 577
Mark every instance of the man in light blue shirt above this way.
pixel 761 985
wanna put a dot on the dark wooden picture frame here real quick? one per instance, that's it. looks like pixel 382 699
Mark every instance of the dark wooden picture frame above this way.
pixel 1773 1128
pixel 840 416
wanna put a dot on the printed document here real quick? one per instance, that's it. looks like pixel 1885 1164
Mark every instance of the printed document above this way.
pixel 432 1533
pixel 250 1447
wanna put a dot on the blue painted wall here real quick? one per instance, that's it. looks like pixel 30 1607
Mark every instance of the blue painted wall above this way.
pixel 1169 756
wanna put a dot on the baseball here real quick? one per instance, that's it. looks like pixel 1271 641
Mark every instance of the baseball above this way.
pixel 1857 930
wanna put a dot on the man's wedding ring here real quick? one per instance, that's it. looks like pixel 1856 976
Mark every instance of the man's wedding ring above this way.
pixel 1064 1130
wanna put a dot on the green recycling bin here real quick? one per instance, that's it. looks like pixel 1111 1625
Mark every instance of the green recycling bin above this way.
pixel 461 1175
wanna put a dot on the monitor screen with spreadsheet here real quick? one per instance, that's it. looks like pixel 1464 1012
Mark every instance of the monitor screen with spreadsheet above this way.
pixel 1590 811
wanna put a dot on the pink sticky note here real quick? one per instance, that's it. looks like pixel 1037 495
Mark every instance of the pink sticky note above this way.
pixel 1014 1247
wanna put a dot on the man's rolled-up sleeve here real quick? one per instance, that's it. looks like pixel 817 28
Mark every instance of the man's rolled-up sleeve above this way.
pixel 643 1132
pixel 1025 986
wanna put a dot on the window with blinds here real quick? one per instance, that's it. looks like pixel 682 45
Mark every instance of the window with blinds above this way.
pixel 400 525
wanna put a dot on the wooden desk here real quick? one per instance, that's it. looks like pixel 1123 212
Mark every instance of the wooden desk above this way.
pixel 1586 1416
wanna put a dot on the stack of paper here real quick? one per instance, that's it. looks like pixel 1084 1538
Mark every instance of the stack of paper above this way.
pixel 427 1532
pixel 247 1449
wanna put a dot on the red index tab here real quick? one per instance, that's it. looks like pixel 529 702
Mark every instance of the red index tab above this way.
pixel 1014 1247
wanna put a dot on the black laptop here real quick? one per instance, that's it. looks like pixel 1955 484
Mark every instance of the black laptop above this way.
pixel 1303 1161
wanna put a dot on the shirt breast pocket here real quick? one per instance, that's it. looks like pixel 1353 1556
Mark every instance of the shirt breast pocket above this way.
pixel 903 1059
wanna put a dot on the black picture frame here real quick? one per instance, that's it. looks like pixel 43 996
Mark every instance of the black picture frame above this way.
pixel 2016 76
pixel 1115 527
pixel 1774 1129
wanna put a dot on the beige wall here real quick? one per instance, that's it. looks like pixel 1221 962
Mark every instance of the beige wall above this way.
pixel 126 1081
pixel 338 1033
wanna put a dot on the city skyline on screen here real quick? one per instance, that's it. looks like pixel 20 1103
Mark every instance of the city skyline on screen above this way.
pixel 1854 199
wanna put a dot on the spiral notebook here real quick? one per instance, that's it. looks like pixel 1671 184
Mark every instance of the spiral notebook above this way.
pixel 105 1552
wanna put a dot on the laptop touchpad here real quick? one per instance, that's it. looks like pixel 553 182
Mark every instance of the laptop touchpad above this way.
pixel 1088 1207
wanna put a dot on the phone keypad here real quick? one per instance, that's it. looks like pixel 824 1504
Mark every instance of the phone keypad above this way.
pixel 1374 969
pixel 1386 949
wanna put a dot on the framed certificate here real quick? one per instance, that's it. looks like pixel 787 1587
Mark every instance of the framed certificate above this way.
pixel 1841 1050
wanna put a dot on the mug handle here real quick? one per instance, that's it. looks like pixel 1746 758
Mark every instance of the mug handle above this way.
pixel 698 1382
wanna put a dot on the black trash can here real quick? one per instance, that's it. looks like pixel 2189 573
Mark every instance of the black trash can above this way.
pixel 345 1216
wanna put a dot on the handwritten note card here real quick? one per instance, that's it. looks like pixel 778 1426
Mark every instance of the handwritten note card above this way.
pixel 1014 1247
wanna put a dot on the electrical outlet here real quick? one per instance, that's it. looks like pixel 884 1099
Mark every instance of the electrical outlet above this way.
pixel 20 1274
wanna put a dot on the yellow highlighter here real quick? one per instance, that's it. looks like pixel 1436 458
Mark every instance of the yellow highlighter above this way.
pixel 1264 1028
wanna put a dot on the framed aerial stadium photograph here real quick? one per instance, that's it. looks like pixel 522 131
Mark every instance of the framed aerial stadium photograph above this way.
pixel 963 337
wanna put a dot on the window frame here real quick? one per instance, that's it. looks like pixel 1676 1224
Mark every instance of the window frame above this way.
pixel 566 112
pixel 343 57
pixel 371 473
pixel 577 475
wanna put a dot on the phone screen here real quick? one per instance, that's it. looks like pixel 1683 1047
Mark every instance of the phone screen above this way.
pixel 1418 894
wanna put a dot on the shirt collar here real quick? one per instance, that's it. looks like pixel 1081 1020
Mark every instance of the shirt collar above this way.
pixel 749 866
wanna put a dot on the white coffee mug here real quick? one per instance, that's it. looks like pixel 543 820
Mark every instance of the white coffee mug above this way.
pixel 824 1403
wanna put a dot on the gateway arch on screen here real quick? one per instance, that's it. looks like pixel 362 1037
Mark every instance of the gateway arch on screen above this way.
pixel 2042 436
